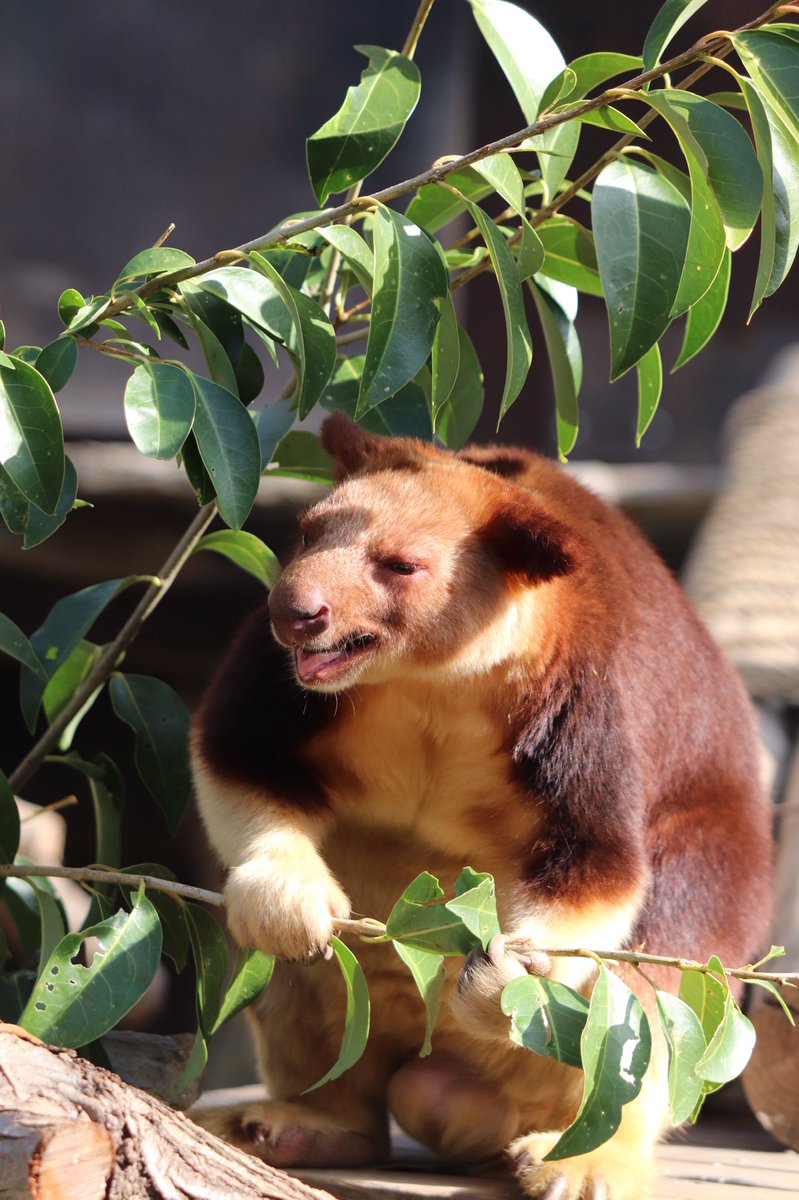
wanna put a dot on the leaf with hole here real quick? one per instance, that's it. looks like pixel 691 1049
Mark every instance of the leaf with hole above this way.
pixel 159 409
pixel 547 1017
pixel 368 125
pixel 31 437
pixel 356 1021
pixel 160 722
pixel 72 1004
pixel 641 226
pixel 245 550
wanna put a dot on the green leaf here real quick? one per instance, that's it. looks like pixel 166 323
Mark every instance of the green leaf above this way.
pixel 779 222
pixel 14 643
pixel 670 18
pixel 477 908
pixel 615 1048
pixel 354 250
pixel 462 409
pixel 569 254
pixel 777 994
pixel 547 1018
pixel 38 526
pixel 502 173
pixel 57 361
pixel 171 913
pixel 156 260
pixel 271 424
pixel 446 356
pixel 529 59
pixel 87 315
pixel 72 1005
pixel 311 343
pixel 705 315
pixel 435 205
pixel 108 797
pixel 300 455
pixel 159 409
pixel 52 918
pixel 223 320
pixel 67 623
pixel 198 477
pixel 229 449
pixel 220 368
pixel 246 551
pixel 405 415
pixel 9 822
pixel 409 277
pixel 587 73
pixel 428 974
pixel 773 62
pixel 368 125
pixel 15 990
pixel 705 994
pixel 356 1022
pixel 641 225
pixel 566 364
pixel 250 376
pixel 210 949
pixel 65 682
pixel 252 972
pixel 730 1048
pixel 421 919
pixel 19 899
pixel 160 721
pixel 650 386
pixel 31 437
pixel 687 1044
pixel 520 343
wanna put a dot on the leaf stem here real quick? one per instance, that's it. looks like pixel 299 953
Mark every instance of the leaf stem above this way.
pixel 412 40
pixel 110 656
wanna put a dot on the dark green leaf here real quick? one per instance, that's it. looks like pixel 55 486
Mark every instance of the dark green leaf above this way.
pixel 650 385
pixel 14 643
pixel 67 623
pixel 546 1017
pixel 356 1022
pixel 252 972
pixel 9 822
pixel 249 375
pixel 301 455
pixel 171 913
pixel 246 551
pixel 686 1041
pixel 354 250
pixel 223 320
pixel 31 437
pixel 271 424
pixel 87 315
pixel 72 1004
pixel 428 974
pixel 641 225
pixel 108 797
pixel 169 327
pixel 13 505
pixel 520 343
pixel 311 343
pixel 39 526
pixel 565 361
pixel 773 62
pixel 420 918
pixel 435 206
pixel 160 721
pixel 405 415
pixel 569 254
pixel 615 1048
pixel 530 59
pixel 198 477
pixel 51 916
pixel 156 260
pixel 220 368
pixel 446 356
pixel 210 949
pixel 705 315
pixel 461 412
pixel 228 446
pixel 730 1048
pixel 502 173
pixel 27 354
pixel 15 990
pixel 670 18
pixel 57 361
pixel 409 277
pixel 368 125
pixel 159 409
pixel 19 900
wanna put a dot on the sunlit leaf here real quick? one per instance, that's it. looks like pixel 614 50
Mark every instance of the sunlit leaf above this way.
pixel 435 206
pixel 156 260
pixel 229 449
pixel 65 682
pixel 160 721
pixel 773 62
pixel 477 908
pixel 428 974
pixel 730 1048
pixel 502 173
pixel 569 254
pixel 352 143
pixel 670 18
pixel 210 949
pixel 57 361
pixel 650 386
pixel 159 409
pixel 446 356
pixel 420 918
pixel 72 1005
pixel 587 73
pixel 687 1044
pixel 252 972
pixel 356 1021
pixel 31 437
pixel 705 315
pixel 566 364
pixel 354 250
pixel 246 551
pixel 547 1017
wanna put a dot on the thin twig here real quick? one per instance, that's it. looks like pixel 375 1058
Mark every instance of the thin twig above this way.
pixel 412 40
pixel 110 656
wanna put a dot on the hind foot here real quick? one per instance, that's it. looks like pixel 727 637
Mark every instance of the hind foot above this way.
pixel 611 1172
pixel 286 1134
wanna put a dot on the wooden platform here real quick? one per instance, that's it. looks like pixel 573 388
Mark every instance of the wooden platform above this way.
pixel 726 1156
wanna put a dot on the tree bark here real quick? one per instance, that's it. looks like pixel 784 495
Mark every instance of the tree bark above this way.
pixel 72 1131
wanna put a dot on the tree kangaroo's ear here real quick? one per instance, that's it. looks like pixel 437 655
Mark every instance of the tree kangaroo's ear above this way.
pixel 354 450
pixel 528 541
pixel 500 460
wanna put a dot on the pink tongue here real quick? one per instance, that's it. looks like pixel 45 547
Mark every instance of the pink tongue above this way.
pixel 312 666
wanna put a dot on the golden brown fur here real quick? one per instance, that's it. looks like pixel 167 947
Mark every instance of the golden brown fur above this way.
pixel 489 668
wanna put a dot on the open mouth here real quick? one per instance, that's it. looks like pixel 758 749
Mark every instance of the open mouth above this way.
pixel 319 664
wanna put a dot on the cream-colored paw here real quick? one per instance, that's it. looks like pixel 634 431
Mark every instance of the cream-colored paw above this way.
pixel 291 1135
pixel 282 913
pixel 476 1004
pixel 615 1171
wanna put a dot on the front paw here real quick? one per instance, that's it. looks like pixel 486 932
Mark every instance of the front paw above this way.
pixel 485 974
pixel 288 915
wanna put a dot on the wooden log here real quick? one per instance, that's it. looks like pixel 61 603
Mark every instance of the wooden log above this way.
pixel 72 1131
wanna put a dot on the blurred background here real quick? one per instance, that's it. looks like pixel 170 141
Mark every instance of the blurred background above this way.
pixel 117 119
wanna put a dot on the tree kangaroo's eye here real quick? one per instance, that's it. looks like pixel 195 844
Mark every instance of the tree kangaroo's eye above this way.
pixel 402 568
pixel 306 540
